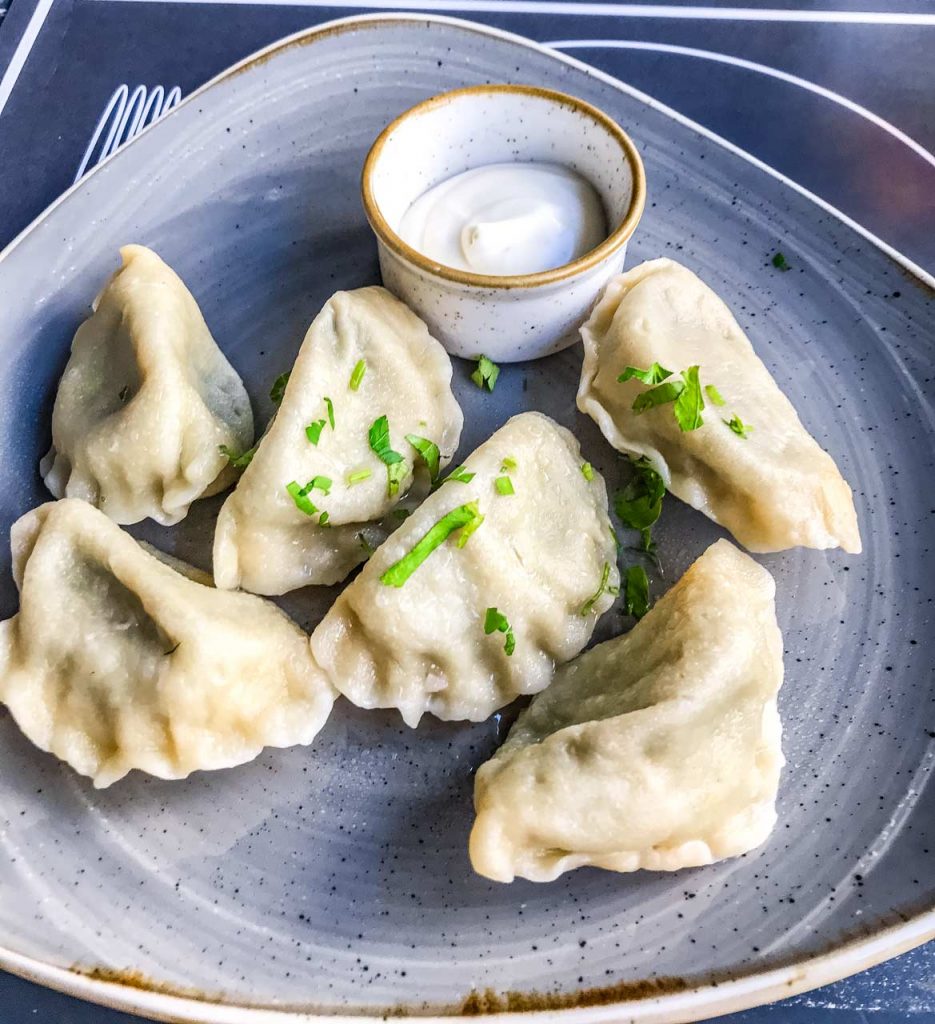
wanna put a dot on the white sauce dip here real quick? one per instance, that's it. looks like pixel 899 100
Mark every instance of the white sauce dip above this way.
pixel 509 218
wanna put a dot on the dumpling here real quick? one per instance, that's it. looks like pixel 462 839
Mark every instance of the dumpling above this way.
pixel 774 488
pixel 146 402
pixel 659 749
pixel 368 376
pixel 519 563
pixel 115 661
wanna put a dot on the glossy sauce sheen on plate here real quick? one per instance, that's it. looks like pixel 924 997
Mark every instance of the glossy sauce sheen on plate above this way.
pixel 337 876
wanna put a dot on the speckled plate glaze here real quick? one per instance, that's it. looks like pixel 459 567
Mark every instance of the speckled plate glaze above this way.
pixel 335 879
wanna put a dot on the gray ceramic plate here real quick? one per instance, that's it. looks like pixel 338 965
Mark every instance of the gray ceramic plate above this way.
pixel 335 879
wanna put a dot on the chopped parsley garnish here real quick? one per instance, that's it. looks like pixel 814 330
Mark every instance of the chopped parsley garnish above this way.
pixel 279 387
pixel 365 544
pixel 780 263
pixel 459 476
pixel 395 474
pixel 685 393
pixel 654 375
pixel 636 592
pixel 379 435
pixel 357 374
pixel 639 504
pixel 738 426
pixel 460 518
pixel 662 394
pixel 714 396
pixel 300 496
pixel 314 429
pixel 319 483
pixel 240 461
pixel 486 373
pixel 402 513
pixel 429 452
pixel 497 622
pixel 465 535
pixel 323 519
pixel 587 471
pixel 357 476
pixel 690 402
pixel 602 589
pixel 503 483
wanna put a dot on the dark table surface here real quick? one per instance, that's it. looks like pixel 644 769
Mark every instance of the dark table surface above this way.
pixel 839 95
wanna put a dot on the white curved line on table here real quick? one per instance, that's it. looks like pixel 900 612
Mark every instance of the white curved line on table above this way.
pixel 128 114
pixel 598 10
pixel 749 65
pixel 567 7
pixel 22 51
pixel 118 102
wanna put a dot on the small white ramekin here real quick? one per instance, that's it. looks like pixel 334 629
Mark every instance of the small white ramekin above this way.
pixel 510 318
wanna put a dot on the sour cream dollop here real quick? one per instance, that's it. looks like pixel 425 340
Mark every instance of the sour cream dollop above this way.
pixel 506 219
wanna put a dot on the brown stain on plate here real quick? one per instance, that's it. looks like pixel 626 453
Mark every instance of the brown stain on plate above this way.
pixel 308 36
pixel 488 1001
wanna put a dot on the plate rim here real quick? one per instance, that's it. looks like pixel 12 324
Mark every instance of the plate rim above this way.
pixel 698 1002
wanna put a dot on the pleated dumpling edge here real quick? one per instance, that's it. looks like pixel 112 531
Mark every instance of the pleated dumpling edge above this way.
pixel 115 661
pixel 658 750
pixel 147 401
pixel 764 478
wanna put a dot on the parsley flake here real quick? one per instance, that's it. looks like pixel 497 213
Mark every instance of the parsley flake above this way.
pixel 279 387
pixel 689 404
pixel 508 464
pixel 240 461
pixel 459 476
pixel 314 429
pixel 357 374
pixel 299 496
pixel 323 519
pixel 636 592
pixel 738 426
pixel 486 373
pixel 685 393
pixel 396 468
pixel 330 406
pixel 497 622
pixel 319 483
pixel 780 263
pixel 662 394
pixel 602 589
pixel 639 504
pixel 587 471
pixel 465 535
pixel 504 486
pixel 395 474
pixel 654 375
pixel 429 452
pixel 358 476
pixel 460 518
